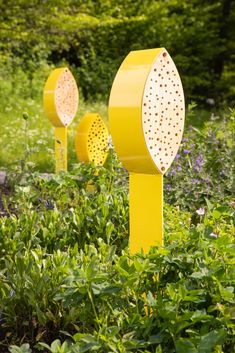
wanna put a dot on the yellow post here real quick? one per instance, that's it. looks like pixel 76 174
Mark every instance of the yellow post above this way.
pixel 146 211
pixel 60 149
pixel 60 98
pixel 146 114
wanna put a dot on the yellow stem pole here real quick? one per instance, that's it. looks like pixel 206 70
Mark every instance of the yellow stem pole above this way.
pixel 60 149
pixel 146 211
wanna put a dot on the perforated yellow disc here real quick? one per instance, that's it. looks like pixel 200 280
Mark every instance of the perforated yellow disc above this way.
pixel 91 141
pixel 60 97
pixel 146 111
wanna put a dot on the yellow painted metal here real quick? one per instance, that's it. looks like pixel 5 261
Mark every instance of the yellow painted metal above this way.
pixel 125 113
pixel 61 149
pixel 146 181
pixel 91 141
pixel 146 116
pixel 49 97
pixel 60 99
pixel 146 211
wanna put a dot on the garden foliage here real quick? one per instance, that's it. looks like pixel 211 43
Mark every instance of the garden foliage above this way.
pixel 95 36
pixel 68 283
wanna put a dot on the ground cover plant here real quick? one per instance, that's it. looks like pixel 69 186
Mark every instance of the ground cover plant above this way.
pixel 68 283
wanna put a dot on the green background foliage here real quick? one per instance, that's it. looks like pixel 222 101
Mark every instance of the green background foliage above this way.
pixel 94 37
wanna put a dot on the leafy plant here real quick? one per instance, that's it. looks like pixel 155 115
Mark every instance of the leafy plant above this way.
pixel 203 168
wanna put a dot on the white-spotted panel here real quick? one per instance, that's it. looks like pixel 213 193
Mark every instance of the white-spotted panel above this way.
pixel 98 141
pixel 163 111
pixel 66 97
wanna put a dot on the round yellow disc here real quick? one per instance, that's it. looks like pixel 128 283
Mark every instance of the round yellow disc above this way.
pixel 146 111
pixel 60 97
pixel 91 141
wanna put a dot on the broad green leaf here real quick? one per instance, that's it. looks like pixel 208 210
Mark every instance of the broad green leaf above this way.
pixel 210 340
pixel 185 346
pixel 158 349
pixel 55 346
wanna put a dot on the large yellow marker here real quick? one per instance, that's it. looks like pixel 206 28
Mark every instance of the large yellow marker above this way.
pixel 60 103
pixel 91 141
pixel 146 115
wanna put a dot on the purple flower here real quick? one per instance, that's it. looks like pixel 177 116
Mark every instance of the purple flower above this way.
pixel 168 186
pixel 177 156
pixel 172 172
pixel 200 211
pixel 186 151
pixel 185 139
pixel 198 163
pixel 195 181
pixel 179 168
pixel 49 205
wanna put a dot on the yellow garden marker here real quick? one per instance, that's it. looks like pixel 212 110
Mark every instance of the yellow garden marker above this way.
pixel 146 114
pixel 60 103
pixel 91 141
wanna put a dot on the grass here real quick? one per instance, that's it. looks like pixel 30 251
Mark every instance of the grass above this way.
pixel 37 132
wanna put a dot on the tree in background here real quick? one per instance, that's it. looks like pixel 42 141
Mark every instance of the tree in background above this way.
pixel 94 37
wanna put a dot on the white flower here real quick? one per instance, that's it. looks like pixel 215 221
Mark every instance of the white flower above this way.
pixel 213 235
pixel 200 211
pixel 110 142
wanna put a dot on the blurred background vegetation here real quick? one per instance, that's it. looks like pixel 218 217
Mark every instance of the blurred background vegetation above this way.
pixel 94 36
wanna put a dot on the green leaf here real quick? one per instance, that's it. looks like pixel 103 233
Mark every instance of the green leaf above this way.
pixel 185 346
pixel 45 345
pixel 210 340
pixel 24 348
pixel 216 214
pixel 153 339
pixel 158 349
pixel 85 343
pixel 227 293
pixel 55 346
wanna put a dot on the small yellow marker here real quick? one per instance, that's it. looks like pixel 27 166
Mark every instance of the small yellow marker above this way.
pixel 146 115
pixel 91 141
pixel 60 101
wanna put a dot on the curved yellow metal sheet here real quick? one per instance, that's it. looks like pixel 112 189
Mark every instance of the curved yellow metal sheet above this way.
pixel 146 111
pixel 146 211
pixel 91 141
pixel 125 111
pixel 60 110
pixel 146 116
